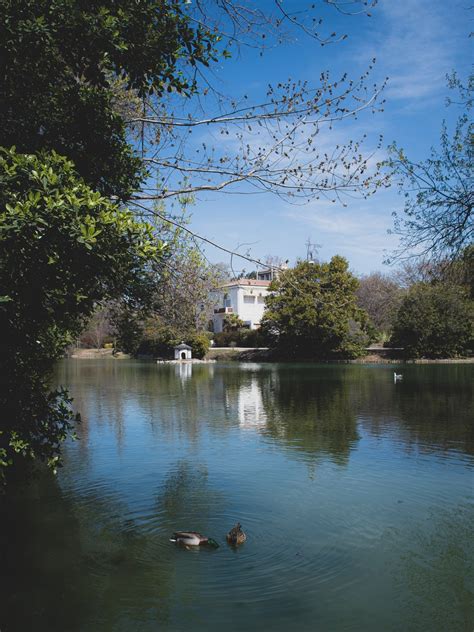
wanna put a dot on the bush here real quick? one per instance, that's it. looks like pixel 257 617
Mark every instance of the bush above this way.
pixel 199 343
pixel 240 338
pixel 158 340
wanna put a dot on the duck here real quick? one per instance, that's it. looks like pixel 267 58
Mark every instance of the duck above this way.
pixel 236 536
pixel 192 538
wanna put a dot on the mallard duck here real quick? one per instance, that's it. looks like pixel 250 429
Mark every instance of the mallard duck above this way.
pixel 236 535
pixel 192 538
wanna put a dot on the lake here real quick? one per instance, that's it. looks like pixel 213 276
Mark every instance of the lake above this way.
pixel 356 495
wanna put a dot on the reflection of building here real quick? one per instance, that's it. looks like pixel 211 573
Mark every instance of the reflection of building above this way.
pixel 243 297
pixel 184 371
pixel 250 406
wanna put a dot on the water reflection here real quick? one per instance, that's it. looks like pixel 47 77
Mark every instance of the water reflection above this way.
pixel 380 539
pixel 311 413
pixel 184 371
pixel 311 410
pixel 251 409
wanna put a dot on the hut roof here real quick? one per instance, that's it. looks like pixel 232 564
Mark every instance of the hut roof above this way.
pixel 183 346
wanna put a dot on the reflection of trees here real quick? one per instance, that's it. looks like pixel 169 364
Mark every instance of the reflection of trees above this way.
pixel 36 591
pixel 186 500
pixel 432 409
pixel 311 411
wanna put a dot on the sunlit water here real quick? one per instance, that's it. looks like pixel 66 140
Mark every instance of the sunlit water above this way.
pixel 356 495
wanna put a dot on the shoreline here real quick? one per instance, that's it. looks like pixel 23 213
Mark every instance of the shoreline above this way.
pixel 262 354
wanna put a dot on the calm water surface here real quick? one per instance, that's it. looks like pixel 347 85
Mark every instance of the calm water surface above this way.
pixel 356 495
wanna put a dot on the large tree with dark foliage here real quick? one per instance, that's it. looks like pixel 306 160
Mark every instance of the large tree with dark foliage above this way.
pixel 61 63
pixel 63 248
pixel 312 312
pixel 435 320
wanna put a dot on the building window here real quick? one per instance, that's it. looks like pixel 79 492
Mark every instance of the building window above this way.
pixel 261 299
pixel 249 299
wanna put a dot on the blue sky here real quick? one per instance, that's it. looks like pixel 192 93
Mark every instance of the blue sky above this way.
pixel 415 43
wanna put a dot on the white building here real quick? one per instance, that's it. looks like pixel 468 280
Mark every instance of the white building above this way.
pixel 182 352
pixel 243 297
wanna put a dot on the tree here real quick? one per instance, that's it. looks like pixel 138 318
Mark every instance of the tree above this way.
pixel 65 68
pixel 437 220
pixel 65 65
pixel 74 77
pixel 312 312
pixel 380 296
pixel 232 322
pixel 271 143
pixel 435 320
pixel 98 328
pixel 63 248
pixel 182 296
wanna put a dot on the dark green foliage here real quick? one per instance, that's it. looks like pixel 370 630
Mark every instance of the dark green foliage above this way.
pixel 435 320
pixel 63 248
pixel 59 64
pixel 128 329
pixel 232 323
pixel 199 343
pixel 312 312
pixel 240 338
pixel 159 340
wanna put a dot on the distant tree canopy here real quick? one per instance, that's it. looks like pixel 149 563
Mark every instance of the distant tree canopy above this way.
pixel 435 320
pixel 380 296
pixel 63 248
pixel 313 313
pixel 181 300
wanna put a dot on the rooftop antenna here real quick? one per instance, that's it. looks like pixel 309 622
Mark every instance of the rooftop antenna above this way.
pixel 312 251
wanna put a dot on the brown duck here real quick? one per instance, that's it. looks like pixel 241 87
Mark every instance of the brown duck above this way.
pixel 236 535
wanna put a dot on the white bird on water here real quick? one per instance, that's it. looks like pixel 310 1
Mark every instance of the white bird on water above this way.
pixel 397 377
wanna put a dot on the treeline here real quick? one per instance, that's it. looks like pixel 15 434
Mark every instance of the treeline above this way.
pixel 315 310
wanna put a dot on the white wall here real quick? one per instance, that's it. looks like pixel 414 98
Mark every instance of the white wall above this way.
pixel 248 302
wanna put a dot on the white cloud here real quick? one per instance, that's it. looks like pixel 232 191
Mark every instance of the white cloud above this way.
pixel 417 46
pixel 359 232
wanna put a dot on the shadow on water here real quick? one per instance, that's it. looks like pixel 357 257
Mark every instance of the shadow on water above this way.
pixel 70 562
pixel 41 538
